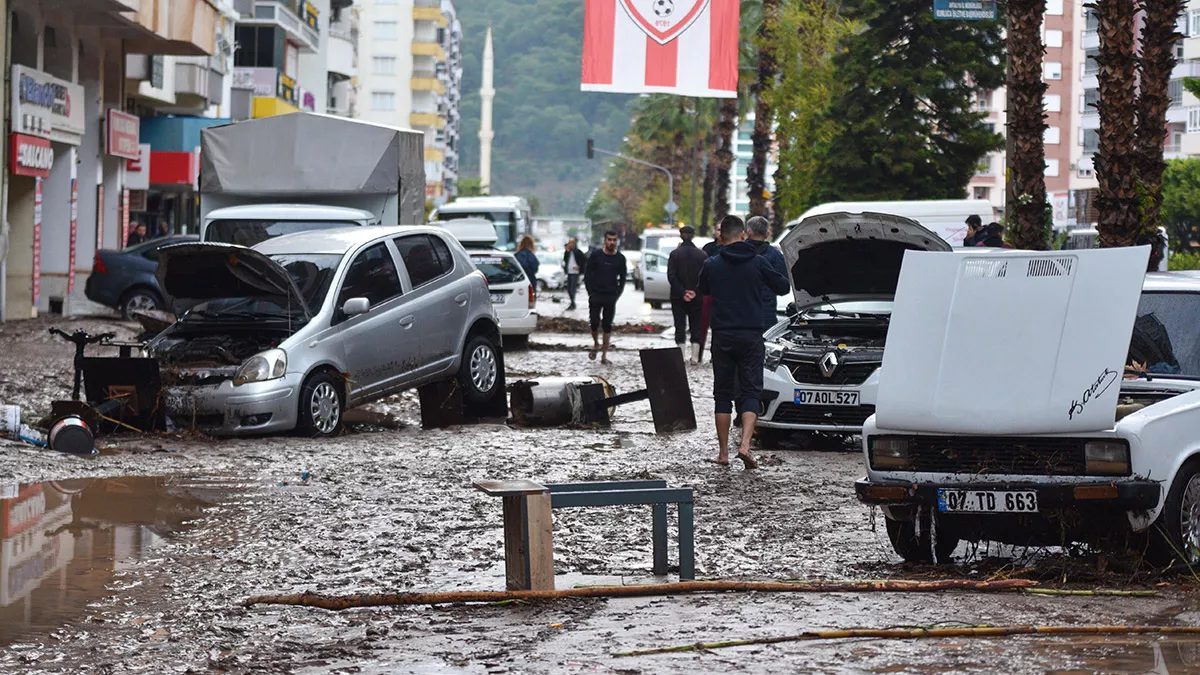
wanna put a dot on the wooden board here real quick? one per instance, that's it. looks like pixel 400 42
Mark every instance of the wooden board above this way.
pixel 670 394
pixel 501 488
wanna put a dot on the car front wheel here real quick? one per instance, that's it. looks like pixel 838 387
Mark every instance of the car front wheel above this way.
pixel 480 370
pixel 920 546
pixel 321 406
pixel 140 300
pixel 1178 526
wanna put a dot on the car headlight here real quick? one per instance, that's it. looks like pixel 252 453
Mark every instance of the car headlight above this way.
pixel 1106 458
pixel 774 357
pixel 269 365
pixel 889 453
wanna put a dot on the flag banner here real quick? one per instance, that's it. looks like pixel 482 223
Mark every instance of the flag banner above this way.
pixel 684 47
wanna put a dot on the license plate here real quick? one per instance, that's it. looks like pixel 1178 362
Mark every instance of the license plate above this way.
pixel 499 298
pixel 812 397
pixel 987 501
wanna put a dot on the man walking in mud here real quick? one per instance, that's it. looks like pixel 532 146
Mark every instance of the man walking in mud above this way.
pixel 604 278
pixel 735 277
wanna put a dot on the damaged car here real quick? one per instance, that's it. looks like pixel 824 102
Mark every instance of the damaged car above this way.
pixel 821 362
pixel 1039 399
pixel 292 332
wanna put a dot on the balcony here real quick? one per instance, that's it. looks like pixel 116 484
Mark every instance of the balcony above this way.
pixel 432 13
pixel 426 120
pixel 434 155
pixel 428 84
pixel 429 49
pixel 340 50
pixel 281 15
pixel 1191 48
pixel 180 28
pixel 1091 39
pixel 196 83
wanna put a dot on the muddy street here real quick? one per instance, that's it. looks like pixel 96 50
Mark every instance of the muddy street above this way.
pixel 137 560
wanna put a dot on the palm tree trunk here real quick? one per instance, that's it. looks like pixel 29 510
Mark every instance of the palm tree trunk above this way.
pixel 776 204
pixel 1026 125
pixel 702 228
pixel 1156 63
pixel 756 172
pixel 723 157
pixel 1116 159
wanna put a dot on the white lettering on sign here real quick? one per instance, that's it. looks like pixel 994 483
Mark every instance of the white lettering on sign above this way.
pixel 35 156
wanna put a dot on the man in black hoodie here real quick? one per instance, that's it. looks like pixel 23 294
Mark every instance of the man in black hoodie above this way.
pixel 604 277
pixel 683 273
pixel 734 278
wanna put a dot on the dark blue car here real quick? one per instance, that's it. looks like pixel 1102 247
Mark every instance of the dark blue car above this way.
pixel 124 280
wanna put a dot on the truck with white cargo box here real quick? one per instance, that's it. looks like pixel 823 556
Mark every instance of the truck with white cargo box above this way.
pixel 290 173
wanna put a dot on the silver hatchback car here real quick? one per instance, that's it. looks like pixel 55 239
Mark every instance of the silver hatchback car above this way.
pixel 288 334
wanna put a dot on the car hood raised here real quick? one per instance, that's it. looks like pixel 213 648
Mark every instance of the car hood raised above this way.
pixel 1021 342
pixel 194 273
pixel 848 256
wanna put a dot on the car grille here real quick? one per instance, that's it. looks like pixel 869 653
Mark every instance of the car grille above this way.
pixel 851 372
pixel 984 455
pixel 825 415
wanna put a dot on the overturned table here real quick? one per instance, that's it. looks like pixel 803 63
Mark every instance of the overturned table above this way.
pixel 528 525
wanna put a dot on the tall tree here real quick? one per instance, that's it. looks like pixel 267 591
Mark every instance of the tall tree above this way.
pixel 766 71
pixel 1116 162
pixel 1026 155
pixel 731 109
pixel 1159 37
pixel 907 128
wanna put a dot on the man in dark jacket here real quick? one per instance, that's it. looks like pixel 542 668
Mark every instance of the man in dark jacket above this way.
pixel 683 273
pixel 573 264
pixel 758 230
pixel 734 278
pixel 604 277
pixel 974 230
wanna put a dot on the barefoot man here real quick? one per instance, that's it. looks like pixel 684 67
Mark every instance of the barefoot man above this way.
pixel 604 277
pixel 735 278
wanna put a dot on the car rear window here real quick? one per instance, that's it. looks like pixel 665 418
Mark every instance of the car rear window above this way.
pixel 499 269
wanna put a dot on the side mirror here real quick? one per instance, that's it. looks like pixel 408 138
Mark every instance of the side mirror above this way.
pixel 356 306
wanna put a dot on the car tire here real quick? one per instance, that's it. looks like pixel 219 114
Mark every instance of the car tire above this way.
pixel 919 547
pixel 479 373
pixel 772 439
pixel 322 406
pixel 1173 538
pixel 655 304
pixel 138 299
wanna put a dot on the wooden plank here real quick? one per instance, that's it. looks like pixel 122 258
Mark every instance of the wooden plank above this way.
pixel 516 567
pixel 539 522
pixel 670 394
pixel 504 488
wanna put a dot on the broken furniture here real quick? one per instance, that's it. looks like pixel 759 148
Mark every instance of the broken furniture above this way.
pixel 582 401
pixel 120 391
pixel 528 546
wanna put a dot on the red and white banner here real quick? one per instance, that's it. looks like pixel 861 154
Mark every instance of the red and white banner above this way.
pixel 684 47
pixel 37 241
pixel 74 236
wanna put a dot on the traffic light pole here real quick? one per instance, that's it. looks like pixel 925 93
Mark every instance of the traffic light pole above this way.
pixel 671 207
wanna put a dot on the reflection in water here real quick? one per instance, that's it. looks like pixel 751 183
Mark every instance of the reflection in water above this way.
pixel 62 542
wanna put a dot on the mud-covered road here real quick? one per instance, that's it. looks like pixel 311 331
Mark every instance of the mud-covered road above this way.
pixel 136 560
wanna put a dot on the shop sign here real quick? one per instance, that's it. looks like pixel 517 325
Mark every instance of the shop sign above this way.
pixel 137 201
pixel 31 156
pixel 287 88
pixel 123 133
pixel 37 241
pixel 965 10
pixel 310 13
pixel 264 81
pixel 308 100
pixel 137 171
pixel 45 106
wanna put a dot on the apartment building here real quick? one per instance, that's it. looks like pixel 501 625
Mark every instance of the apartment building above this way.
pixel 414 79
pixel 743 152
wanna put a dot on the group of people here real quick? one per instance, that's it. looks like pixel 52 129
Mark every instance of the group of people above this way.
pixel 989 236
pixel 141 233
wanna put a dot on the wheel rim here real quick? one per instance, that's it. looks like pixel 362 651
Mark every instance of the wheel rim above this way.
pixel 1189 520
pixel 325 408
pixel 141 302
pixel 483 368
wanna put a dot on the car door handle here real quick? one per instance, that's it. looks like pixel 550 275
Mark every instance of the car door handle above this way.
pixel 406 322
pixel 462 298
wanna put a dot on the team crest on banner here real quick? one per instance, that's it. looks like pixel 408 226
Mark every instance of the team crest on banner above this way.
pixel 684 47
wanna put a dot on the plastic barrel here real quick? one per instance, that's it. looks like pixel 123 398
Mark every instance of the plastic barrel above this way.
pixel 71 434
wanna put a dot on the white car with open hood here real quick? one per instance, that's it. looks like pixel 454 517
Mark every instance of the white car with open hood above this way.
pixel 821 362
pixel 1013 405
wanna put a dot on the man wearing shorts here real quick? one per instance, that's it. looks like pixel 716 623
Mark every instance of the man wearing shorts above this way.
pixel 604 278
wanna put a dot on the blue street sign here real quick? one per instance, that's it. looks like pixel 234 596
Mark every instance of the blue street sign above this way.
pixel 965 10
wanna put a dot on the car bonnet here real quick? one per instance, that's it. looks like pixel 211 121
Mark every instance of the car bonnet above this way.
pixel 201 271
pixel 1021 342
pixel 851 256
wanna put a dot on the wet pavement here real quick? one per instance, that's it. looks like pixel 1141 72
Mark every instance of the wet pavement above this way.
pixel 144 571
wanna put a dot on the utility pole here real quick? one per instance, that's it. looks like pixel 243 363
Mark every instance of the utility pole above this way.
pixel 487 93
pixel 670 207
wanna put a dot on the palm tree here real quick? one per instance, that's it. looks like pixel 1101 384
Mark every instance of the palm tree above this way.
pixel 732 108
pixel 1026 124
pixel 766 71
pixel 1116 160
pixel 1156 63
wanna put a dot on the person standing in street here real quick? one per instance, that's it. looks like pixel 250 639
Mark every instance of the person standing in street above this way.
pixel 604 277
pixel 974 230
pixel 573 263
pixel 138 235
pixel 735 278
pixel 527 258
pixel 759 229
pixel 683 273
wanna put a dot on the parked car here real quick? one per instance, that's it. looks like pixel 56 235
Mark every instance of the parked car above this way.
pixel 820 371
pixel 514 298
pixel 550 274
pixel 290 333
pixel 656 287
pixel 1032 418
pixel 124 280
pixel 633 260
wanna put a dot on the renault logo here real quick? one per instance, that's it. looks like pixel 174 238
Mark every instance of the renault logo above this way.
pixel 828 364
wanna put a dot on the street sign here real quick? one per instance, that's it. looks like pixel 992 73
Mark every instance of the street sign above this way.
pixel 671 207
pixel 965 10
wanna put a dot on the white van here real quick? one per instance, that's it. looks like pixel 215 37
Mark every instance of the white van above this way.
pixel 510 216
pixel 945 217
pixel 1089 237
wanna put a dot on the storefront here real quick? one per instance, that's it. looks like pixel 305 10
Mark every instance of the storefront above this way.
pixel 171 203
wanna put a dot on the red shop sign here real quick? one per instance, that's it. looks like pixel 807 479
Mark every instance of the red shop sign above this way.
pixel 31 156
pixel 123 133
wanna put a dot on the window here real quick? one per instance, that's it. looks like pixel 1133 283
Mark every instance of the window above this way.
pixel 385 30
pixel 1194 17
pixel 1052 70
pixel 1090 98
pixel 1054 38
pixel 1193 120
pixel 1052 136
pixel 373 276
pixel 1053 103
pixel 1054 7
pixel 981 192
pixel 499 269
pixel 1091 140
pixel 443 253
pixel 383 100
pixel 420 258
pixel 1175 91
pixel 1051 167
pixel 1090 67
pixel 383 65
pixel 291 66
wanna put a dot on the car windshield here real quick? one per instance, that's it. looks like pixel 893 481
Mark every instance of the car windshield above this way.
pixel 498 269
pixel 848 308
pixel 251 232
pixel 1165 340
pixel 501 220
pixel 549 258
pixel 312 274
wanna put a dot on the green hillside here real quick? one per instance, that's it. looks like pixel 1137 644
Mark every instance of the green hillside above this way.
pixel 541 118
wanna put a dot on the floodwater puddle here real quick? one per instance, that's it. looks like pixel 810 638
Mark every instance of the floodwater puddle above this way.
pixel 62 543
